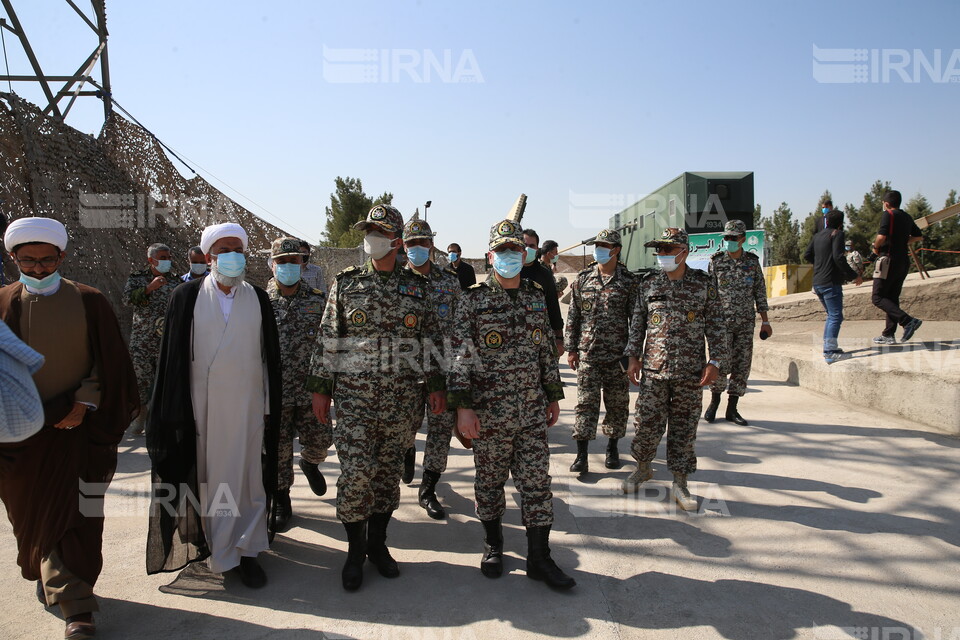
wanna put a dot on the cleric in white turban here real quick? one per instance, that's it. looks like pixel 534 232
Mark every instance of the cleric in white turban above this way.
pixel 89 395
pixel 217 377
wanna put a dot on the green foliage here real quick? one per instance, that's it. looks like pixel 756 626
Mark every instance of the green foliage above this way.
pixel 783 236
pixel 809 226
pixel 864 221
pixel 348 205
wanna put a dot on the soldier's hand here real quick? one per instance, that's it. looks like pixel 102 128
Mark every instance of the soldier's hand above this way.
pixel 155 284
pixel 553 413
pixel 438 401
pixel 710 374
pixel 559 347
pixel 573 359
pixel 74 418
pixel 633 371
pixel 321 407
pixel 468 424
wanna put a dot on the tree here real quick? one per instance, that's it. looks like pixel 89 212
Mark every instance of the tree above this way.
pixel 783 236
pixel 864 221
pixel 348 205
pixel 757 218
pixel 951 233
pixel 919 207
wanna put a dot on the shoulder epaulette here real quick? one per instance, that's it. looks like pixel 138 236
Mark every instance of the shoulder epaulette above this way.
pixel 349 270
pixel 476 286
pixel 536 285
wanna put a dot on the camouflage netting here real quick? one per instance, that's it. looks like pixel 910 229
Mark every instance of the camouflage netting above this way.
pixel 118 194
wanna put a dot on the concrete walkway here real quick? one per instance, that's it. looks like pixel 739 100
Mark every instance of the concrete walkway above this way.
pixel 819 520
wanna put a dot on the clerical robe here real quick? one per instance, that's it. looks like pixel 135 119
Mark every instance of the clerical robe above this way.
pixel 216 380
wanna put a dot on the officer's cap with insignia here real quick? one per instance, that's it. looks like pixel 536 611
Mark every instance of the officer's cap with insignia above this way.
pixel 384 217
pixel 287 246
pixel 608 236
pixel 505 231
pixel 734 229
pixel 670 237
pixel 417 229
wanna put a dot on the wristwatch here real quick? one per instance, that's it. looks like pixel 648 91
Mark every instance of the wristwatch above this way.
pixel 714 363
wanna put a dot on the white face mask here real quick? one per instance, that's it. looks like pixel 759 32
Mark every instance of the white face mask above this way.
pixel 669 263
pixel 377 245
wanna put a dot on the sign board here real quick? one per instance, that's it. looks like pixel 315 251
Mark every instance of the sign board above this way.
pixel 704 245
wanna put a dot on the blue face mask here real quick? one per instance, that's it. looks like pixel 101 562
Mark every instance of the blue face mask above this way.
pixel 198 268
pixel 508 263
pixel 530 255
pixel 601 254
pixel 288 274
pixel 554 259
pixel 43 283
pixel 453 255
pixel 732 246
pixel 825 210
pixel 418 255
pixel 667 263
pixel 164 265
pixel 231 264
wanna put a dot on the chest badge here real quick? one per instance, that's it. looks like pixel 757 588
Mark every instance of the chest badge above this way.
pixel 358 318
pixel 410 321
pixel 587 305
pixel 691 316
pixel 537 336
pixel 443 310
pixel 656 319
pixel 493 340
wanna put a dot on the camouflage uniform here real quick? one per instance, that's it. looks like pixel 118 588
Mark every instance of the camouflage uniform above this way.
pixel 444 293
pixel 506 370
pixel 369 359
pixel 667 330
pixel 855 260
pixel 298 320
pixel 149 310
pixel 597 328
pixel 743 294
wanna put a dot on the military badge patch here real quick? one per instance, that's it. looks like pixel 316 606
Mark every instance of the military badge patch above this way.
pixel 537 336
pixel 506 228
pixel 410 320
pixel 443 310
pixel 587 305
pixel 378 213
pixel 712 293
pixel 158 326
pixel 358 318
pixel 656 319
pixel 691 316
pixel 493 340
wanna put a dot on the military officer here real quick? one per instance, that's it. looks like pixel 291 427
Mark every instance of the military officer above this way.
pixel 298 309
pixel 505 385
pixel 676 307
pixel 743 294
pixel 444 293
pixel 377 320
pixel 604 295
pixel 147 292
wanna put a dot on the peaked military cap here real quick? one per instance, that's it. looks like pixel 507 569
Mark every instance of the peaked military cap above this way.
pixel 383 216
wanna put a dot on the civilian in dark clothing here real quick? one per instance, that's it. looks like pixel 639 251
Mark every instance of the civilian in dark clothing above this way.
pixel 830 271
pixel 465 273
pixel 896 233
pixel 821 223
pixel 534 270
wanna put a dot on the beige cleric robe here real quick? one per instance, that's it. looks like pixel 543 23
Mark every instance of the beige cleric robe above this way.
pixel 228 381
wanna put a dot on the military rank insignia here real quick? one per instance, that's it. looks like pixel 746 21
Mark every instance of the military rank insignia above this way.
pixel 537 336
pixel 358 318
pixel 410 321
pixel 493 340
pixel 537 306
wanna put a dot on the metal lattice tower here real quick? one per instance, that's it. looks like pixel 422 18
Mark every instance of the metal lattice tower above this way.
pixel 73 85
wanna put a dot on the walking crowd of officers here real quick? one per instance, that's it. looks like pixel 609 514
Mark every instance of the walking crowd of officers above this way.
pixel 399 341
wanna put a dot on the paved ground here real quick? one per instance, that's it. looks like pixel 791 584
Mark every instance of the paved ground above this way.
pixel 818 521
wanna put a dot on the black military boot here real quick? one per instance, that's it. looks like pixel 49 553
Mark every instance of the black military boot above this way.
pixel 613 455
pixel 540 566
pixel 492 563
pixel 352 574
pixel 409 461
pixel 732 414
pixel 377 545
pixel 581 464
pixel 282 510
pixel 312 472
pixel 427 495
pixel 711 413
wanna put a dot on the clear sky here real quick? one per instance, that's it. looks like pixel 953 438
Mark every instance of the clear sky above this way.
pixel 568 102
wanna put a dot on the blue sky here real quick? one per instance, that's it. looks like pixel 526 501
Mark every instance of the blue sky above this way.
pixel 559 100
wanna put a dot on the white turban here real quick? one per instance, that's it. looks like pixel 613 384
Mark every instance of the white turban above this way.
pixel 217 231
pixel 25 230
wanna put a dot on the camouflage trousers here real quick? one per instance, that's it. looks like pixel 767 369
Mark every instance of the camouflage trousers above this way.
pixel 315 439
pixel 522 452
pixel 661 403
pixel 592 378
pixel 439 431
pixel 145 367
pixel 371 435
pixel 737 364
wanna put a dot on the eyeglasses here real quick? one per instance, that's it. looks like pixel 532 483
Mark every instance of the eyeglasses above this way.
pixel 46 263
pixel 669 251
